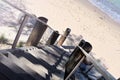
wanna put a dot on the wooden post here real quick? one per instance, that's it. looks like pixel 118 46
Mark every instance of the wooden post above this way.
pixel 37 32
pixel 97 66
pixel 63 37
pixel 76 58
pixel 20 31
pixel 53 38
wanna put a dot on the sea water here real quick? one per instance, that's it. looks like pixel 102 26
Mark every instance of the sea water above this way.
pixel 110 7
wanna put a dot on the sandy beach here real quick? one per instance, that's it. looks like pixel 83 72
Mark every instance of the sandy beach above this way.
pixel 86 20
pixel 83 19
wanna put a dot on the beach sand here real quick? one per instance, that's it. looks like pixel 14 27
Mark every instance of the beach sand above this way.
pixel 83 19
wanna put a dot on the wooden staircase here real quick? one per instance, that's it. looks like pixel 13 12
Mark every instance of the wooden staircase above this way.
pixel 32 63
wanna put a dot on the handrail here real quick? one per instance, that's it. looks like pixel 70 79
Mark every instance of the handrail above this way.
pixel 26 13
pixel 19 31
pixel 23 22
pixel 100 68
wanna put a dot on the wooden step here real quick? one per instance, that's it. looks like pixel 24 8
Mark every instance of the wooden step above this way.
pixel 41 54
pixel 11 70
pixel 36 67
pixel 47 61
pixel 32 59
pixel 7 74
pixel 23 65
pixel 48 55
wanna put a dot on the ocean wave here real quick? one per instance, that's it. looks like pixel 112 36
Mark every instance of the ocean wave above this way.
pixel 109 8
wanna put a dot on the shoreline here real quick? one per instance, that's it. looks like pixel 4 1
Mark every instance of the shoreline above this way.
pixel 102 15
pixel 99 11
pixel 106 16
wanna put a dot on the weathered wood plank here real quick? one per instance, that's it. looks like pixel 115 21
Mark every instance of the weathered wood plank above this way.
pixel 10 67
pixel 100 68
pixel 32 59
pixel 3 77
pixel 74 61
pixel 63 37
pixel 37 32
pixel 26 68
pixel 8 73
pixel 53 38
pixel 20 31
pixel 57 67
